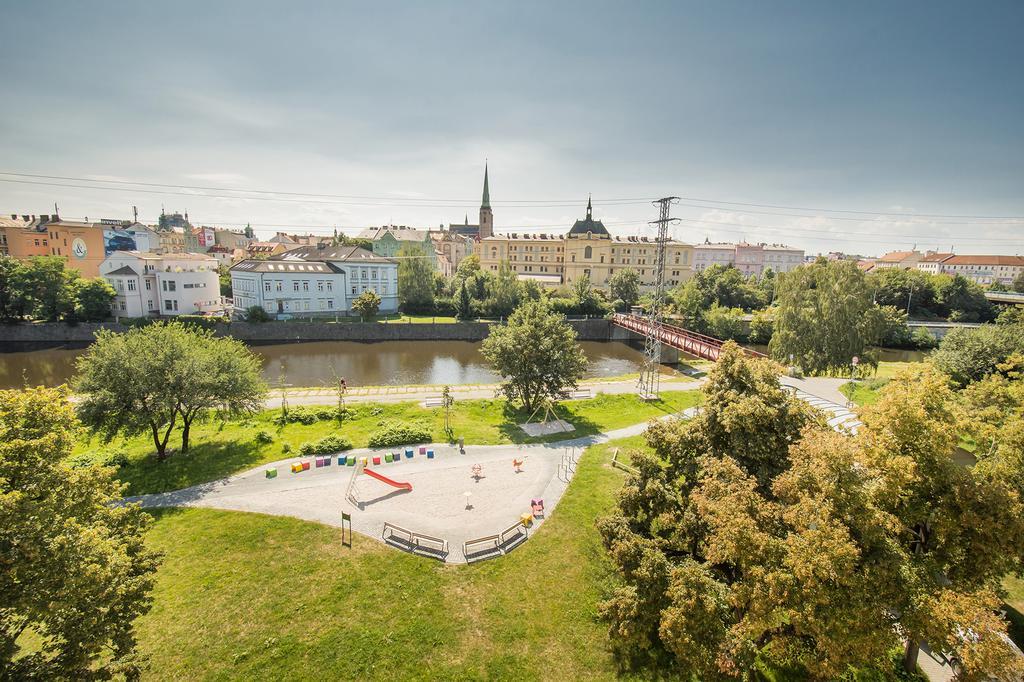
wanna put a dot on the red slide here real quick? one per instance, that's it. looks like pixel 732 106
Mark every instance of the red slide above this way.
pixel 385 479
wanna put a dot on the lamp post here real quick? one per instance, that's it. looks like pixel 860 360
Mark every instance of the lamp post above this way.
pixel 853 371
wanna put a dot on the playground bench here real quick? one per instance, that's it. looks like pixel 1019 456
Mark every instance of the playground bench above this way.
pixel 416 543
pixel 578 394
pixel 483 548
pixel 512 537
pixel 433 401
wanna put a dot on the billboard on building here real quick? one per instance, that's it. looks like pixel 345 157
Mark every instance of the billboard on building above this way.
pixel 207 237
pixel 118 240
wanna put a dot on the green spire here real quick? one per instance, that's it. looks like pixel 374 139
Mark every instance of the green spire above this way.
pixel 487 191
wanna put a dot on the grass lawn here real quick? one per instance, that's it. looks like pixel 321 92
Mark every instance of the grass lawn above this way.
pixel 246 596
pixel 863 392
pixel 221 448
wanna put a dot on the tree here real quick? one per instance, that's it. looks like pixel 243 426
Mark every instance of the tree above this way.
pixel 1011 314
pixel 148 378
pixel 415 281
pixel 967 355
pixel 468 267
pixel 1018 283
pixel 724 323
pixel 366 304
pixel 825 317
pixel 894 330
pixel 256 313
pixel 93 298
pixel 224 277
pixel 13 302
pixel 463 301
pixel 75 572
pixel 962 300
pixel 901 288
pixel 47 286
pixel 506 292
pixel 625 286
pixel 585 299
pixel 536 353
pixel 252 235
pixel 762 326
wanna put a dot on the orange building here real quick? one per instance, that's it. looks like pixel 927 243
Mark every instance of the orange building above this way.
pixel 79 243
pixel 24 236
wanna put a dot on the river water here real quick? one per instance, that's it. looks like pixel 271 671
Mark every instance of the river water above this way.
pixel 386 363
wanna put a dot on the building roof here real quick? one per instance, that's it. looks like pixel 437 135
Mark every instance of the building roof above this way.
pixel 331 253
pixel 896 256
pixel 588 224
pixel 866 265
pixel 252 265
pixel 399 232
pixel 933 257
pixel 123 270
pixel 986 260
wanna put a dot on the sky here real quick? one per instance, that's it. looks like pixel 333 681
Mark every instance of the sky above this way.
pixel 860 127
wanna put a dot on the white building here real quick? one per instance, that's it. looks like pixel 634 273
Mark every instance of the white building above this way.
pixel 750 259
pixel 148 284
pixel 985 269
pixel 312 280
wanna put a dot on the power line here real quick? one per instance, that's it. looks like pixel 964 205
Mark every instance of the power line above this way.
pixel 843 210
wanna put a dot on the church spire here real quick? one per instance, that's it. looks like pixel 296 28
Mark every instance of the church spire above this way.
pixel 590 208
pixel 487 191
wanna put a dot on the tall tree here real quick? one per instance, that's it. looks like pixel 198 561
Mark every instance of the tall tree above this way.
pixel 536 353
pixel 967 355
pixel 93 298
pixel 962 300
pixel 149 378
pixel 366 304
pixel 48 288
pixel 415 281
pixel 825 318
pixel 506 292
pixel 1018 283
pixel 624 285
pixel 13 302
pixel 75 571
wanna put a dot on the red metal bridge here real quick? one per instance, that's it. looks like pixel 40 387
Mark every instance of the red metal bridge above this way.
pixel 698 345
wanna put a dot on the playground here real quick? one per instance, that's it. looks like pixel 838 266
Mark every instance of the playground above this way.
pixel 433 500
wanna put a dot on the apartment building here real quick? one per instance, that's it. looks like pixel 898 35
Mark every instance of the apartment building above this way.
pixel 750 259
pixel 149 284
pixel 985 270
pixel 314 281
pixel 24 236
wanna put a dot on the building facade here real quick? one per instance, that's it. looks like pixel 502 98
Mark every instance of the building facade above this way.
pixel 390 239
pixel 750 259
pixel 985 270
pixel 314 281
pixel 588 249
pixel 24 236
pixel 149 284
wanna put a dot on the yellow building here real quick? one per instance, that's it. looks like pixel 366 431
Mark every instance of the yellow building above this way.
pixel 587 249
pixel 24 236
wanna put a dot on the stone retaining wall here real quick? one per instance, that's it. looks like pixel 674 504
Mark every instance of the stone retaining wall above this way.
pixel 49 334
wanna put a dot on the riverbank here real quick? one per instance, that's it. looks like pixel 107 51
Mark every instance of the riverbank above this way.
pixel 42 334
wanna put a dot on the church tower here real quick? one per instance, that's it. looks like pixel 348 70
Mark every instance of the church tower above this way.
pixel 486 217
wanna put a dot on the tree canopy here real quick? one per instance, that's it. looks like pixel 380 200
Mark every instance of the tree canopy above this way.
pixel 366 304
pixel 44 288
pixel 825 317
pixel 75 572
pixel 415 281
pixel 536 354
pixel 967 355
pixel 148 378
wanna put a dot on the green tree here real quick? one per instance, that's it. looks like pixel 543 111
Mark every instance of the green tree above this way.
pixel 148 378
pixel 48 288
pixel 415 281
pixel 506 292
pixel 968 355
pixel 962 300
pixel 724 323
pixel 625 286
pixel 894 333
pixel 366 304
pixel 1011 314
pixel 256 313
pixel 1018 283
pixel 897 287
pixel 93 298
pixel 825 317
pixel 536 354
pixel 252 235
pixel 762 326
pixel 468 267
pixel 463 301
pixel 13 301
pixel 75 571
pixel 224 277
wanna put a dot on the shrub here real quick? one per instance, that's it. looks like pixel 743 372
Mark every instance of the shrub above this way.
pixel 306 415
pixel 264 437
pixel 325 446
pixel 399 433
pixel 286 448
pixel 202 321
pixel 256 314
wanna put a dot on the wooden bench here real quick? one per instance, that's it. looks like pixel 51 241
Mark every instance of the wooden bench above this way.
pixel 578 394
pixel 433 401
pixel 416 543
pixel 483 548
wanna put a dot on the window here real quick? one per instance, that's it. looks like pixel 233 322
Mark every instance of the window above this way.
pixel 353 289
pixel 266 287
pixel 164 283
pixel 278 285
pixel 131 285
pixel 149 305
pixel 149 285
pixel 330 304
pixel 295 286
pixel 319 285
pixel 189 286
pixel 172 286
pixel 373 275
pixel 330 286
pixel 167 304
pixel 122 306
pixel 305 286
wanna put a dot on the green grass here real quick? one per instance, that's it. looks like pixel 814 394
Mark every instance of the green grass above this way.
pixel 247 596
pixel 863 392
pixel 221 448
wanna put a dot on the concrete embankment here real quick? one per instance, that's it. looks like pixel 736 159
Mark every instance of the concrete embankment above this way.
pixel 52 334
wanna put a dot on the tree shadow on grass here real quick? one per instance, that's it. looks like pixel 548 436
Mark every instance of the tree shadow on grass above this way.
pixel 203 462
pixel 1016 627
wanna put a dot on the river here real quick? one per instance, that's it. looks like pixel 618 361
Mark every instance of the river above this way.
pixel 385 363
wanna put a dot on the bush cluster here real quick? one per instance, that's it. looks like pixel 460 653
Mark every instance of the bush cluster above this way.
pixel 325 446
pixel 399 433
pixel 264 437
pixel 307 415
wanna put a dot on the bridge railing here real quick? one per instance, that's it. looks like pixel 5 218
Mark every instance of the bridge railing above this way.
pixel 640 324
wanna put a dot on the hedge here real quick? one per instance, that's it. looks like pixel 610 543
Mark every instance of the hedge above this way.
pixel 399 433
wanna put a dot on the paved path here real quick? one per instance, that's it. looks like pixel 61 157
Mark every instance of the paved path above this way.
pixel 435 506
pixel 318 395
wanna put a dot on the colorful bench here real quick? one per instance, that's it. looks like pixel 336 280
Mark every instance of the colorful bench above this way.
pixel 271 472
pixel 387 458
pixel 342 460
pixel 351 460
pixel 305 466
pixel 408 453
pixel 430 454
pixel 376 460
pixel 296 467
pixel 423 451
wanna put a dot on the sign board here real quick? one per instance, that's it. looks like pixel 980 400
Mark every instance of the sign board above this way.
pixel 78 248
pixel 345 516
pixel 207 237
pixel 118 240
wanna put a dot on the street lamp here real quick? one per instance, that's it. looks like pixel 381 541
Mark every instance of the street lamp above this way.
pixel 853 371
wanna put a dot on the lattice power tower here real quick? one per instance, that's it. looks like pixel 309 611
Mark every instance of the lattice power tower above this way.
pixel 649 384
